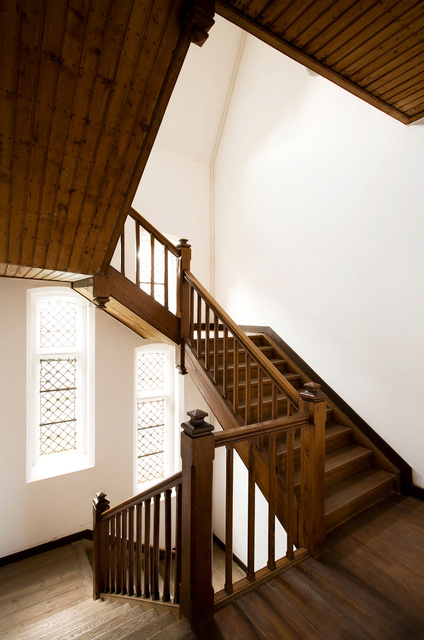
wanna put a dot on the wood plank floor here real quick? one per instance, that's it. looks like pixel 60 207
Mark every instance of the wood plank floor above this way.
pixel 368 585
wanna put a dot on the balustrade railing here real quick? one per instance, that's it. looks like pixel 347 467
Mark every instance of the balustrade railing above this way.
pixel 137 544
pixel 148 259
pixel 256 389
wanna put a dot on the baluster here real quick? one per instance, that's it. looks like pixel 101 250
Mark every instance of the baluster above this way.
pixel 199 326
pixel 274 401
pixel 215 347
pixel 113 553
pixel 138 254
pixel 272 449
pixel 138 550
pixel 177 545
pixel 229 521
pixel 155 555
pixel 166 595
pixel 124 552
pixel 247 390
pixel 166 278
pixel 123 250
pixel 118 554
pixel 146 592
pixel 236 377
pixel 260 395
pixel 152 266
pixel 130 583
pixel 191 337
pixel 251 513
pixel 225 363
pixel 207 337
pixel 290 492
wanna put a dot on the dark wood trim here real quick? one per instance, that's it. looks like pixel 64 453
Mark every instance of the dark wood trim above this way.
pixel 236 559
pixel 407 485
pixel 87 534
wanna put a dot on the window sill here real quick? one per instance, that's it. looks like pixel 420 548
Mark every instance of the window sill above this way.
pixel 58 465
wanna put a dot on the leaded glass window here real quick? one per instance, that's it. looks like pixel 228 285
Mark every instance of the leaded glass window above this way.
pixel 154 413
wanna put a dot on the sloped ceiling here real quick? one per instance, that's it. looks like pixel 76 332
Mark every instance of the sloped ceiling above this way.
pixel 372 48
pixel 83 88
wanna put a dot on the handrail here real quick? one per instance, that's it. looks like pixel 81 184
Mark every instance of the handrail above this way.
pixel 169 483
pixel 248 345
pixel 154 232
pixel 238 434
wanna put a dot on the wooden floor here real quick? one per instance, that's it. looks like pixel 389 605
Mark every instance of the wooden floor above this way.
pixel 368 585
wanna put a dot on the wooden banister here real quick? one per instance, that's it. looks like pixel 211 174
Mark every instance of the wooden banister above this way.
pixel 238 434
pixel 250 348
pixel 157 235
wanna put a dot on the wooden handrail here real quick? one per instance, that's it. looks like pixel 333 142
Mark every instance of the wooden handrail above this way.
pixel 154 232
pixel 238 434
pixel 280 381
pixel 169 483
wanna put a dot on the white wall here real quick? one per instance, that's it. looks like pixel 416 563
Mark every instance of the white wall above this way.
pixel 40 511
pixel 319 225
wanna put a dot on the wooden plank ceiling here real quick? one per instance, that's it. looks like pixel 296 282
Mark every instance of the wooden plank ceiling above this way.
pixel 372 48
pixel 83 87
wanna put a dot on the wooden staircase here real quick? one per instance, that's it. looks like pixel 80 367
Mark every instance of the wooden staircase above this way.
pixel 105 620
pixel 356 474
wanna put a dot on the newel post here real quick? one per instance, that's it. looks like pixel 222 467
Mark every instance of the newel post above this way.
pixel 100 544
pixel 312 520
pixel 183 300
pixel 197 452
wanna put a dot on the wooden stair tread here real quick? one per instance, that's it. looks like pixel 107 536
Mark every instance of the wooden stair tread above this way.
pixel 354 492
pixel 343 455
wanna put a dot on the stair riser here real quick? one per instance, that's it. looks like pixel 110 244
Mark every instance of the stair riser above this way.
pixel 350 509
pixel 346 470
pixel 242 372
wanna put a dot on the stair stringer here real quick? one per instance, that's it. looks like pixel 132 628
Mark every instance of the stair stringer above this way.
pixel 226 418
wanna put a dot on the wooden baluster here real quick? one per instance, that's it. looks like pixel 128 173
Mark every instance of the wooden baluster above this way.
pixel 215 347
pixel 100 544
pixel 247 390
pixel 118 554
pixel 191 334
pixel 124 552
pixel 225 364
pixel 183 302
pixel 197 453
pixel 274 401
pixel 177 545
pixel 272 449
pixel 166 596
pixel 112 583
pixel 123 250
pixel 312 520
pixel 146 592
pixel 290 493
pixel 207 338
pixel 199 326
pixel 229 521
pixel 155 554
pixel 236 377
pixel 166 278
pixel 152 266
pixel 130 582
pixel 138 550
pixel 260 395
pixel 251 513
pixel 137 254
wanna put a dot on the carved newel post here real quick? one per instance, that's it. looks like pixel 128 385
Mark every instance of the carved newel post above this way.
pixel 197 452
pixel 100 544
pixel 183 300
pixel 312 524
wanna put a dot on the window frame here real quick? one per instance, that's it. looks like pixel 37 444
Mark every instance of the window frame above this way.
pixel 41 466
pixel 171 398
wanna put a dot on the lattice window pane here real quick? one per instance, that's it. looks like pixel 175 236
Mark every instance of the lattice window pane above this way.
pixel 150 440
pixel 58 323
pixel 58 405
pixel 150 372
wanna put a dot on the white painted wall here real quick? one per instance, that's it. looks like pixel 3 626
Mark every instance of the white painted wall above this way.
pixel 41 511
pixel 319 225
